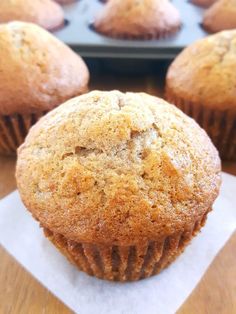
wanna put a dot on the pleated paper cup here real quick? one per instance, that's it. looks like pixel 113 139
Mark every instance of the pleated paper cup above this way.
pixel 13 130
pixel 161 34
pixel 125 263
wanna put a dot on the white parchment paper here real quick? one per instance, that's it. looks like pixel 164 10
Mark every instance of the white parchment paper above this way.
pixel 21 236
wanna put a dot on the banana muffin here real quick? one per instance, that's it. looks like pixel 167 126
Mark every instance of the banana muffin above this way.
pixel 203 3
pixel 37 73
pixel 202 82
pixel 119 182
pixel 138 19
pixel 46 13
pixel 221 16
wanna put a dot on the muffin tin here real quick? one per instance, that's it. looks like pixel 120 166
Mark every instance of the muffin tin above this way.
pixel 80 36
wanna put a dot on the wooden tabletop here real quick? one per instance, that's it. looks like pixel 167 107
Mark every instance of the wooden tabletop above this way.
pixel 20 293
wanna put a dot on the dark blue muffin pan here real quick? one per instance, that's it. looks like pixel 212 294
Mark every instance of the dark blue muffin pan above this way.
pixel 81 37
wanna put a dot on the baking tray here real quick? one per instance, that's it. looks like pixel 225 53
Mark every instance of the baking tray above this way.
pixel 80 36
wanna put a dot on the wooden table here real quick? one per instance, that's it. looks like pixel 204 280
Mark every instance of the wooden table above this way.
pixel 20 293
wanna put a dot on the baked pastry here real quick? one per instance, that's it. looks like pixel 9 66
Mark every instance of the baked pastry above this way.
pixel 33 79
pixel 142 19
pixel 221 16
pixel 203 3
pixel 201 81
pixel 46 13
pixel 124 185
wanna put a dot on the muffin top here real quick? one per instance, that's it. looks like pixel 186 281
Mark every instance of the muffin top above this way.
pixel 204 73
pixel 37 71
pixel 203 3
pixel 138 19
pixel 45 13
pixel 221 16
pixel 109 167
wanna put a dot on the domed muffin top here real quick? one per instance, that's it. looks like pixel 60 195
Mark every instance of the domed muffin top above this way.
pixel 138 19
pixel 37 71
pixel 220 16
pixel 45 13
pixel 204 73
pixel 109 167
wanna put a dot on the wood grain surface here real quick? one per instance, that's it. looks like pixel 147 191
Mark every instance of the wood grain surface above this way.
pixel 20 293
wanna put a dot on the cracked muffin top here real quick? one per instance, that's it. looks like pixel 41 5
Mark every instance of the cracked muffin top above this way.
pixel 37 71
pixel 138 19
pixel 45 13
pixel 221 16
pixel 204 72
pixel 109 167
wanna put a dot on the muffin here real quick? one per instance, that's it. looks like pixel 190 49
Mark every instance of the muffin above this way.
pixel 221 16
pixel 46 13
pixel 37 73
pixel 119 182
pixel 203 3
pixel 201 81
pixel 143 19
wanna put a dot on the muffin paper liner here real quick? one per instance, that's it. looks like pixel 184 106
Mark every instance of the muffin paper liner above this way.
pixel 125 263
pixel 13 130
pixel 220 125
pixel 165 33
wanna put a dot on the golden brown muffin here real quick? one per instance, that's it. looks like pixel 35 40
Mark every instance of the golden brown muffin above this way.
pixel 202 82
pixel 37 73
pixel 45 13
pixel 203 3
pixel 221 16
pixel 119 182
pixel 138 19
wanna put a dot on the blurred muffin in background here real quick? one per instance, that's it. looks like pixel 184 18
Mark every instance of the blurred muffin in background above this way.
pixel 37 73
pixel 142 19
pixel 221 16
pixel 203 3
pixel 45 13
pixel 125 184
pixel 63 2
pixel 202 82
